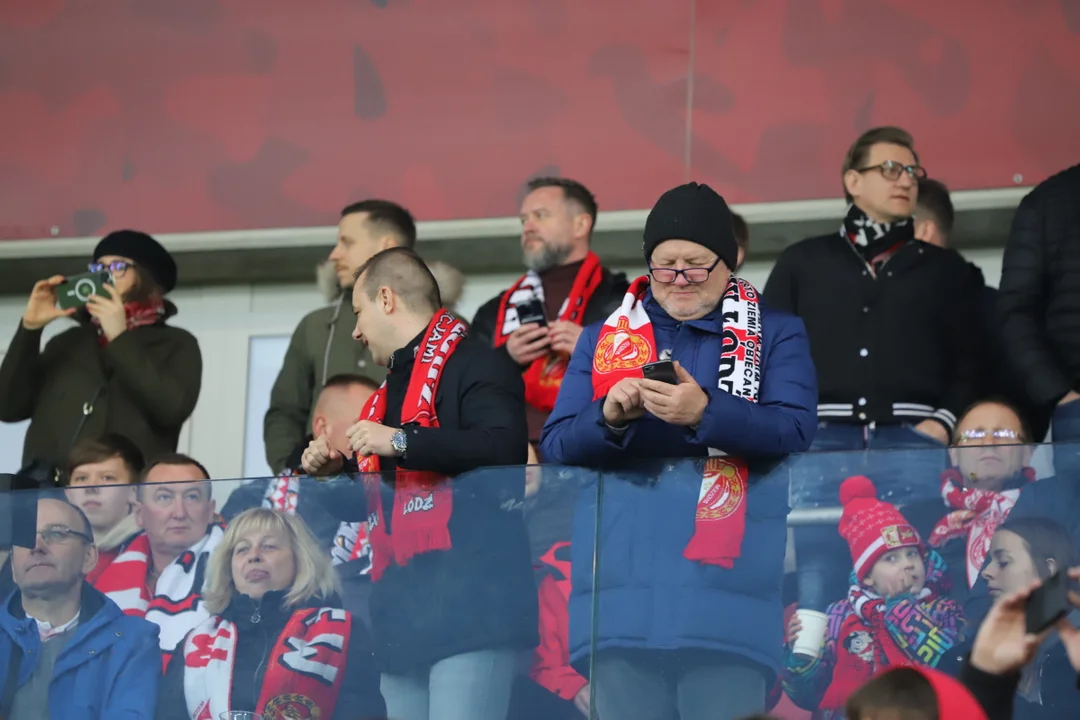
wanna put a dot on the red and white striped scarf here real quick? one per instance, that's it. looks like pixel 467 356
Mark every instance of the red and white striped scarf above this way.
pixel 976 515
pixel 176 605
pixel 304 670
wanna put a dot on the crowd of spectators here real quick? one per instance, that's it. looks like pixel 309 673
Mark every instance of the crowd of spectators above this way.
pixel 403 563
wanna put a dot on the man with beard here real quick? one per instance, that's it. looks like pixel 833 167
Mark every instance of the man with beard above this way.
pixel 539 319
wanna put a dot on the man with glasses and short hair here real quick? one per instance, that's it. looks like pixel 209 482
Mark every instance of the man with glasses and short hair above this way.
pixel 160 573
pixel 67 652
pixel 894 335
pixel 691 594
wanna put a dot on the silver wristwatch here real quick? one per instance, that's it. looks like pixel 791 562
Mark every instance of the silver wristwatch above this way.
pixel 399 442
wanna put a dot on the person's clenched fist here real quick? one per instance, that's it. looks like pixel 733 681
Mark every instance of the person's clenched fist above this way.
pixel 320 458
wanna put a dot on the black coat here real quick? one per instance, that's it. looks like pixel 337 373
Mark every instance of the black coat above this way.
pixel 901 347
pixel 358 699
pixel 1039 299
pixel 479 594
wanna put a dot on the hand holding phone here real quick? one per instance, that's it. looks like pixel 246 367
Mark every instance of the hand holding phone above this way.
pixel 661 371
pixel 531 312
pixel 75 291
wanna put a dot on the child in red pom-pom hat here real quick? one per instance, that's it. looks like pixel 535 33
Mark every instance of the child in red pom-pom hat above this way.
pixel 896 612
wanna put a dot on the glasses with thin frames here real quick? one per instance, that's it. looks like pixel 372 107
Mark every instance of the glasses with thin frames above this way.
pixel 58 535
pixel 116 266
pixel 1001 436
pixel 692 275
pixel 891 170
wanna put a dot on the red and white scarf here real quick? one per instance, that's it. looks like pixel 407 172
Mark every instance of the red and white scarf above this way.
pixel 544 376
pixel 137 314
pixel 976 515
pixel 283 492
pixel 176 605
pixel 304 671
pixel 423 501
pixel 627 343
pixel 351 539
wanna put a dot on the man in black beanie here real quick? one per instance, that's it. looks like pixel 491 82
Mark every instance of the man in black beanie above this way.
pixel 121 370
pixel 695 370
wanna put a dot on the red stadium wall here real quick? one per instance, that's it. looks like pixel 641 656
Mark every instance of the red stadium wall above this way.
pixel 229 114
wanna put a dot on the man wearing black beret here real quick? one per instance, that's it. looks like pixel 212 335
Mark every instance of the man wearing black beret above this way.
pixel 121 369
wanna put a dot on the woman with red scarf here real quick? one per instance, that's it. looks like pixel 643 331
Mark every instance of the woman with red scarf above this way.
pixel 120 370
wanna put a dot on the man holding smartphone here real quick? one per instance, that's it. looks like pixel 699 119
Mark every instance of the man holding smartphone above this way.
pixel 539 319
pixel 690 594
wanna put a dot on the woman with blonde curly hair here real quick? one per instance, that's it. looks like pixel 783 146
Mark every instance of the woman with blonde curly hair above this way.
pixel 277 641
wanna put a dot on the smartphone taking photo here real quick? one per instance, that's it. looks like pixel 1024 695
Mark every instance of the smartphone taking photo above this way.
pixel 77 290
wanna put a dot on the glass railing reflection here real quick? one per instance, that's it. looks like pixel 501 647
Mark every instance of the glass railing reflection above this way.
pixel 540 592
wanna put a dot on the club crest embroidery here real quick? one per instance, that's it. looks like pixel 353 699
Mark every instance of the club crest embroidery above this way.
pixel 620 348
pixel 291 707
pixel 899 535
pixel 726 485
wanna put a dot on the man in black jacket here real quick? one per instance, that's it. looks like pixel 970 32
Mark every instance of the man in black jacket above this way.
pixel 1039 305
pixel 453 598
pixel 894 338
pixel 538 320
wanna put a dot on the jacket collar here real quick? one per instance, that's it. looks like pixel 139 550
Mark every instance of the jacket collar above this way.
pixel 401 361
pixel 95 612
pixel 711 323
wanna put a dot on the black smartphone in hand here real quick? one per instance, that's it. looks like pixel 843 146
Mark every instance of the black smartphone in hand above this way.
pixel 531 312
pixel 1048 604
pixel 661 371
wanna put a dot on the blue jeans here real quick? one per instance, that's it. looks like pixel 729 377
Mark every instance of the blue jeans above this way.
pixel 904 465
pixel 1065 428
pixel 678 684
pixel 469 686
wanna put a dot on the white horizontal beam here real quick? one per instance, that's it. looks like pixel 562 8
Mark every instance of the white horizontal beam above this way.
pixel 442 230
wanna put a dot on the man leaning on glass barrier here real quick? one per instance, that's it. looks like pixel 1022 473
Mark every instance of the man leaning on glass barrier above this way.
pixel 691 563
pixel 453 600
pixel 66 650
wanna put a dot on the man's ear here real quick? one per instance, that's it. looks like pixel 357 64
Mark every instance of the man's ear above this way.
pixel 853 182
pixel 90 559
pixel 387 301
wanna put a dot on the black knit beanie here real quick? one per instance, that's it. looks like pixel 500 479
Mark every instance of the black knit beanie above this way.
pixel 696 213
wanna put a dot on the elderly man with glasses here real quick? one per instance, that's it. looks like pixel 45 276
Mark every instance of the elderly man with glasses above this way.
pixel 685 398
pixel 66 650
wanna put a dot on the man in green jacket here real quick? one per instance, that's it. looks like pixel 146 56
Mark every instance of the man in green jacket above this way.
pixel 322 345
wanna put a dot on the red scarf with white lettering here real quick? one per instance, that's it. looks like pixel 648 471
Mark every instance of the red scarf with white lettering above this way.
pixel 544 376
pixel 303 673
pixel 423 501
pixel 627 343
pixel 976 515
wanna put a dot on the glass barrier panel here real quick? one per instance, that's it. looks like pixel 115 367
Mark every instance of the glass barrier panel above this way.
pixel 717 588
pixel 295 597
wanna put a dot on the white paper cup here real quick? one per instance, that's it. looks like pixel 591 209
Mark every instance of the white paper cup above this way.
pixel 814 626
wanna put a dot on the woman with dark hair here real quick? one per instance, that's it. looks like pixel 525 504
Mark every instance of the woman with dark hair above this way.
pixel 1025 550
pixel 121 370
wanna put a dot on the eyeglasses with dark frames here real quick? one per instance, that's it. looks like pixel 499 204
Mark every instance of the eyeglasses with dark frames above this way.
pixel 59 534
pixel 892 170
pixel 692 275
pixel 116 266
